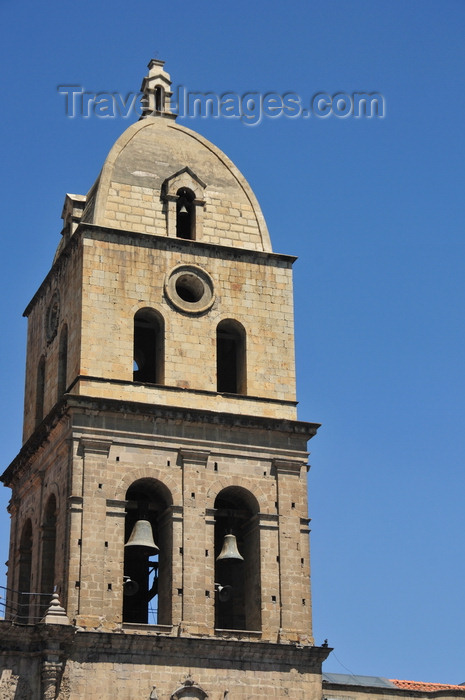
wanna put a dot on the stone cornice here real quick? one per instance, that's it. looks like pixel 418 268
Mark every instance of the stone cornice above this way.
pixel 147 240
pixel 95 232
pixel 70 404
pixel 147 647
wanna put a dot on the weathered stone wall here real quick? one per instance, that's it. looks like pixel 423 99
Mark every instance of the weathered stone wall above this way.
pixel 232 670
pixel 195 460
pixel 33 484
pixel 63 285
pixel 123 274
pixel 54 661
pixel 104 278
pixel 97 449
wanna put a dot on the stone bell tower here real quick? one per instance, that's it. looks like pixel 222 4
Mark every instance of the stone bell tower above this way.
pixel 161 490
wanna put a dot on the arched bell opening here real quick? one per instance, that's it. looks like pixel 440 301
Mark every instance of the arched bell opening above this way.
pixel 237 561
pixel 185 214
pixel 47 576
pixel 147 554
pixel 25 571
pixel 148 347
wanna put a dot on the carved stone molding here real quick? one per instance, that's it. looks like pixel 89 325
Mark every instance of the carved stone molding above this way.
pixel 189 690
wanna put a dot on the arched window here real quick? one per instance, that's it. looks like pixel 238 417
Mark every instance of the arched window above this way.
pixel 185 214
pixel 47 578
pixel 238 589
pixel 40 391
pixel 231 357
pixel 62 361
pixel 147 572
pixel 148 347
pixel 25 568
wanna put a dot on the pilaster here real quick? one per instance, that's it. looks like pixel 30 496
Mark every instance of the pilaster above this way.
pixel 91 602
pixel 194 618
pixel 296 621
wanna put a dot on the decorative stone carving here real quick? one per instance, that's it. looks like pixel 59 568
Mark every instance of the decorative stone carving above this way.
pixel 51 676
pixel 189 691
pixel 8 684
pixel 55 613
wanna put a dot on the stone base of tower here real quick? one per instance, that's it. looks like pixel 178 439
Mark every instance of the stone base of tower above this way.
pixel 45 662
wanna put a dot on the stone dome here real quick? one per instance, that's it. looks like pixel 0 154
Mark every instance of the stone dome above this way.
pixel 151 164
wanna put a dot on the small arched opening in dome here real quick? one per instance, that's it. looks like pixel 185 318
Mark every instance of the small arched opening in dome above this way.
pixel 185 214
pixel 148 347
pixel 231 357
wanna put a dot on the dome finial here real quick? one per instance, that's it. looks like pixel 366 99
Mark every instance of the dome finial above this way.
pixel 156 90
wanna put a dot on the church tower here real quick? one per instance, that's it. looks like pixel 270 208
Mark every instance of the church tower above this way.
pixel 161 491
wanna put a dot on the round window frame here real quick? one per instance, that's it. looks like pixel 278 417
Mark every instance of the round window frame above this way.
pixel 204 303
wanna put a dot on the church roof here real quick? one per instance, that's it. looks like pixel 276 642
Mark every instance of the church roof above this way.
pixel 380 682
pixel 426 687
pixel 350 679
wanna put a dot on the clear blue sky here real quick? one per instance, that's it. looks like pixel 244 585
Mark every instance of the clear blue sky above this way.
pixel 375 211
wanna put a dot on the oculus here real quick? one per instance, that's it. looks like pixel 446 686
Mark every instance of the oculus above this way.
pixel 190 289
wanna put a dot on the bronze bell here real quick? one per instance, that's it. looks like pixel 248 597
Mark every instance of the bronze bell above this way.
pixel 141 536
pixel 230 550
pixel 183 209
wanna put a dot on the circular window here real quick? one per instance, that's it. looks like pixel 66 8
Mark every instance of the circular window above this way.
pixel 190 289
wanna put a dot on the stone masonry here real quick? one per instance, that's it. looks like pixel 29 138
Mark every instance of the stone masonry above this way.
pixel 160 388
